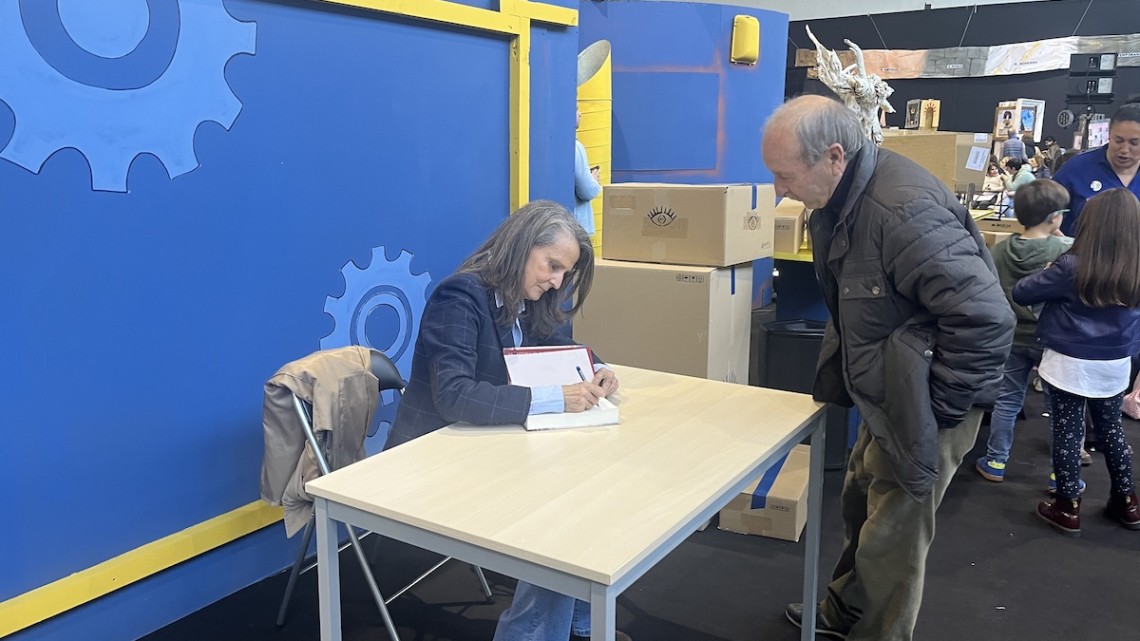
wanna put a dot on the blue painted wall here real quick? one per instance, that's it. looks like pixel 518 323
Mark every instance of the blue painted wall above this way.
pixel 683 113
pixel 142 313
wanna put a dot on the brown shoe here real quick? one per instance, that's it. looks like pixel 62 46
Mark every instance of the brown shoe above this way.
pixel 1124 509
pixel 1064 515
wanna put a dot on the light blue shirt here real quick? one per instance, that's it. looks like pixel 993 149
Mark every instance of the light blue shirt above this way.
pixel 585 189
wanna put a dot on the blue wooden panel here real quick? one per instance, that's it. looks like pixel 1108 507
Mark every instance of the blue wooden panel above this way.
pixel 673 41
pixel 143 320
pixel 665 121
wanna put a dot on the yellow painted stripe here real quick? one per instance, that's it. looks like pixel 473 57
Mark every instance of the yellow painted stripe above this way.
pixel 540 12
pixel 72 591
pixel 440 11
pixel 520 119
pixel 502 21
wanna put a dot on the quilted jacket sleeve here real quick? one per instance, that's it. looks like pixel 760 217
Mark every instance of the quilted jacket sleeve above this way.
pixel 938 263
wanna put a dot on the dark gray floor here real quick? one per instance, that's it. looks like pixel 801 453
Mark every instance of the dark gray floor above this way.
pixel 994 572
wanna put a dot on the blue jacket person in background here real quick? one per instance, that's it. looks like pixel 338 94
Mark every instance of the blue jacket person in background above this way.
pixel 511 292
pixel 1111 166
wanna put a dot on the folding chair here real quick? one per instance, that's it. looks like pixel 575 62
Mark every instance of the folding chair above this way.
pixel 389 379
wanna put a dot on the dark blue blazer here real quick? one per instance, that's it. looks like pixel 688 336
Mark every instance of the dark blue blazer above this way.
pixel 458 371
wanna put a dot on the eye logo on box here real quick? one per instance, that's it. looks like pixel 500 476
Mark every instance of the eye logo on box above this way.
pixel 661 216
pixel 752 221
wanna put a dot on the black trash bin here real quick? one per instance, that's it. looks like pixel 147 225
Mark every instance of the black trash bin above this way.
pixel 791 350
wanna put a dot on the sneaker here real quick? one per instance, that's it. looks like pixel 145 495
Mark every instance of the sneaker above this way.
pixel 795 614
pixel 990 469
pixel 1052 491
pixel 1086 458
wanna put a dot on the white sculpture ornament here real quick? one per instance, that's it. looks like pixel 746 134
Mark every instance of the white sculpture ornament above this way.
pixel 863 93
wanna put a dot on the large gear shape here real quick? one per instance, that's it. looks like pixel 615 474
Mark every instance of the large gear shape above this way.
pixel 383 283
pixel 111 126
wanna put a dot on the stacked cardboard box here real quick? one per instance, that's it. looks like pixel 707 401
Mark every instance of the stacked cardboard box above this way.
pixel 673 289
pixel 951 157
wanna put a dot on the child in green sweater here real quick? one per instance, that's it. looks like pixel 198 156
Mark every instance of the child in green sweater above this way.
pixel 1039 206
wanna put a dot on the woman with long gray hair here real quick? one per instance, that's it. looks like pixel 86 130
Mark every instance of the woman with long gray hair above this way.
pixel 513 291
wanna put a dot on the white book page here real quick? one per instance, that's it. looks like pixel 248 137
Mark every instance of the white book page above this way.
pixel 604 413
pixel 542 368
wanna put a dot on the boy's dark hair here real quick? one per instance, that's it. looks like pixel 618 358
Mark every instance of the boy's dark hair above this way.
pixel 1013 164
pixel 1033 202
pixel 1107 247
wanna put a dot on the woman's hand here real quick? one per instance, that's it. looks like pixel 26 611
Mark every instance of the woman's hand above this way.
pixel 580 397
pixel 606 379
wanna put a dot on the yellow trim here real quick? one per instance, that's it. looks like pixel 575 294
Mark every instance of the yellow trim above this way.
pixel 440 11
pixel 540 12
pixel 72 591
pixel 520 120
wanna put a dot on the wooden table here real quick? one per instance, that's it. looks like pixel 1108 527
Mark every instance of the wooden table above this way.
pixel 584 512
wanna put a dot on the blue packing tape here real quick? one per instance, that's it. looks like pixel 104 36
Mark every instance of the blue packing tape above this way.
pixel 760 494
pixel 732 280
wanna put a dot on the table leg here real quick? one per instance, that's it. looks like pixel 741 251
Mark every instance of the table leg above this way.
pixel 811 530
pixel 602 609
pixel 328 573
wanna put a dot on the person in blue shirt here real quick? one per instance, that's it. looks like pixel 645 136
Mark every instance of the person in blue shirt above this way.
pixel 1110 166
pixel 586 185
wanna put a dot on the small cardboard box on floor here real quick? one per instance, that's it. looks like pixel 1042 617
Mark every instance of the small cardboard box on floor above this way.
pixel 713 225
pixel 681 319
pixel 776 504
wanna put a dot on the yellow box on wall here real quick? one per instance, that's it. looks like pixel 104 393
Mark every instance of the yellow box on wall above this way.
pixel 745 40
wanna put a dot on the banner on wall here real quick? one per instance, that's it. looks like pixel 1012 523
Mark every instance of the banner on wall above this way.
pixel 972 62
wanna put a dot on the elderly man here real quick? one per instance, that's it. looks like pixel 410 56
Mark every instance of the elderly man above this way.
pixel 917 340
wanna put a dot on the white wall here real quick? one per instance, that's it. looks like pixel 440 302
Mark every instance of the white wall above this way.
pixel 815 9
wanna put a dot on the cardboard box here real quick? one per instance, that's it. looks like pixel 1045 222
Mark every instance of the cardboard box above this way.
pixel 672 318
pixel 779 507
pixel 943 153
pixel 711 225
pixel 1008 225
pixel 788 228
pixel 994 237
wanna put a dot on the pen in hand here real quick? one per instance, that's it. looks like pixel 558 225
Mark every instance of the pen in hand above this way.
pixel 580 374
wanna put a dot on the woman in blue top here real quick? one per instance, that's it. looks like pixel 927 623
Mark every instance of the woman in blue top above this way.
pixel 1090 327
pixel 586 185
pixel 513 291
pixel 1113 165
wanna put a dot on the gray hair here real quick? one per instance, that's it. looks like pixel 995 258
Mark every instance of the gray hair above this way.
pixel 819 123
pixel 501 262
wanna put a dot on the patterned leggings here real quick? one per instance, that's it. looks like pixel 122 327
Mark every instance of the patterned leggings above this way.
pixel 1068 417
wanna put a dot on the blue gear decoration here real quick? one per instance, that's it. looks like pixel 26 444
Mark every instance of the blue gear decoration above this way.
pixel 72 96
pixel 383 283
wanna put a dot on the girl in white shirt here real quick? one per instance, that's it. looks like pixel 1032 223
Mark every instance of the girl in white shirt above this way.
pixel 1090 328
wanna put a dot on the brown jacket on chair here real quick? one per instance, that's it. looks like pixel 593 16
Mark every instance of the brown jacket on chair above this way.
pixel 343 392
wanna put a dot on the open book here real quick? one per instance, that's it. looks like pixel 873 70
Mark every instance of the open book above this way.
pixel 563 365
pixel 604 413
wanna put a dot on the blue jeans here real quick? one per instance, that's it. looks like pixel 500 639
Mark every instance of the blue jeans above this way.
pixel 538 614
pixel 1010 398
